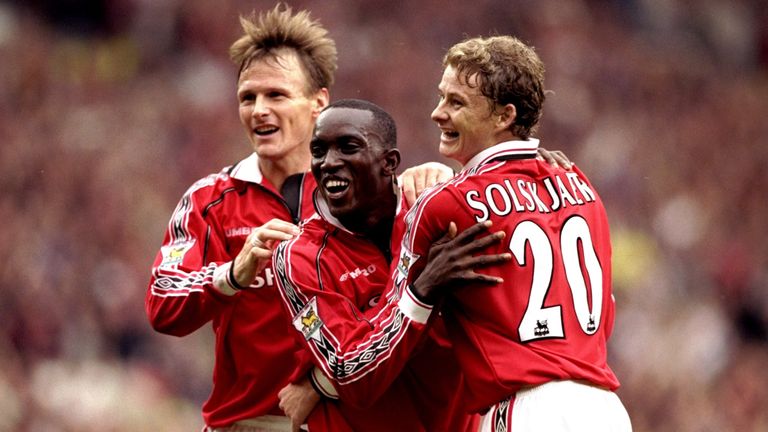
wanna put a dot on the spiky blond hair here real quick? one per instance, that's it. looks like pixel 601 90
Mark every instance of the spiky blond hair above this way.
pixel 268 35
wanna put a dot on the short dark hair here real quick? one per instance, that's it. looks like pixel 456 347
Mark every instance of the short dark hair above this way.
pixel 383 122
pixel 266 35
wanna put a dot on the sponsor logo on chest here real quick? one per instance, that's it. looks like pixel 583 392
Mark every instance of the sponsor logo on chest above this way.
pixel 357 272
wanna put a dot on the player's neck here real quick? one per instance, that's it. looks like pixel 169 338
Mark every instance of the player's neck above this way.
pixel 276 171
pixel 377 226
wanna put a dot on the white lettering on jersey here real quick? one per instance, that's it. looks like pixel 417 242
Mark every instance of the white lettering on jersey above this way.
pixel 268 279
pixel 503 198
pixel 240 231
pixel 354 274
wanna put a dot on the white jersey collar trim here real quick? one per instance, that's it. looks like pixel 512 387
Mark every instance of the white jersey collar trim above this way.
pixel 248 170
pixel 517 147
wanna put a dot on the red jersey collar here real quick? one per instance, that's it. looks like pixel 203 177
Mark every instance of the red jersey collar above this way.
pixel 506 148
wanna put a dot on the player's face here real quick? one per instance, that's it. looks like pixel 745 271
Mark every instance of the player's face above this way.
pixel 465 118
pixel 350 164
pixel 276 109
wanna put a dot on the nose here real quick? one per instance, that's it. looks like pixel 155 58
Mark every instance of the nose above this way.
pixel 331 160
pixel 260 107
pixel 438 114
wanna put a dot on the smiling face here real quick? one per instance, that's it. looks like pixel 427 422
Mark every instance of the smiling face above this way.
pixel 276 108
pixel 465 118
pixel 352 166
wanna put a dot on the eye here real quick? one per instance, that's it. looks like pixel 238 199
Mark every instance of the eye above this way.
pixel 350 146
pixel 246 97
pixel 317 148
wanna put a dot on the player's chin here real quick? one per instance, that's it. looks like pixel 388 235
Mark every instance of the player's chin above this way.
pixel 449 149
pixel 270 150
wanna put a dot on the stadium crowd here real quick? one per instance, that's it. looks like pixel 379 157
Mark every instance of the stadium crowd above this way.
pixel 109 109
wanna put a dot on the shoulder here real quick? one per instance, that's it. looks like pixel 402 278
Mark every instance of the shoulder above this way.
pixel 212 184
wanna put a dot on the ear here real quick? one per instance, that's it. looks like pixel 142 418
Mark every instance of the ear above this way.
pixel 507 116
pixel 390 161
pixel 320 100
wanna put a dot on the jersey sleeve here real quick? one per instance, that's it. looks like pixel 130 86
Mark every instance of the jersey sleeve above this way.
pixel 357 353
pixel 181 296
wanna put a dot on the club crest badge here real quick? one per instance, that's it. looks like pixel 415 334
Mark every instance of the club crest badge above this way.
pixel 308 322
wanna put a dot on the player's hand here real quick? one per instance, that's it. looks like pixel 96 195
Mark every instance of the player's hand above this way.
pixel 258 247
pixel 297 400
pixel 451 261
pixel 556 158
pixel 414 180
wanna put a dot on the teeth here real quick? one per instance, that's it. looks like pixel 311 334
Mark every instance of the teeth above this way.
pixel 336 183
pixel 334 186
pixel 261 130
pixel 449 135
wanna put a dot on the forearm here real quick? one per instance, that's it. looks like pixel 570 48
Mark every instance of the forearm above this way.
pixel 179 302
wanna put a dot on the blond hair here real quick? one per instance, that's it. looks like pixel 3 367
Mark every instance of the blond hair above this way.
pixel 269 34
pixel 508 71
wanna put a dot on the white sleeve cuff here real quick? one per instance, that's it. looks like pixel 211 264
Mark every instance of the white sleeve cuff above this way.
pixel 220 281
pixel 413 308
pixel 323 384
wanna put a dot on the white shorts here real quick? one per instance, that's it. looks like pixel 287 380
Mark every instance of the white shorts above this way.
pixel 558 406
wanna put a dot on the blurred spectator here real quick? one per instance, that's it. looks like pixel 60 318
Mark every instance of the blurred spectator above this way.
pixel 662 103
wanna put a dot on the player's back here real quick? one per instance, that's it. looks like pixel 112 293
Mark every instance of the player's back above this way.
pixel 551 317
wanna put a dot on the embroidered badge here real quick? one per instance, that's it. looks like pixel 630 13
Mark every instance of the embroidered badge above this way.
pixel 307 321
pixel 404 264
pixel 173 254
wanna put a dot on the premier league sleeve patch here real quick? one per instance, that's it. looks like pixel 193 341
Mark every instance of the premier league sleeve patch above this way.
pixel 404 264
pixel 173 254
pixel 307 321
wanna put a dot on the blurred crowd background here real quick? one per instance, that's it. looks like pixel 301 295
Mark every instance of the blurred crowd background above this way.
pixel 110 109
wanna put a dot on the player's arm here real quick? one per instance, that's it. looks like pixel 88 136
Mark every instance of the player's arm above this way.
pixel 332 327
pixel 357 359
pixel 192 277
pixel 415 180
pixel 297 400
pixel 452 262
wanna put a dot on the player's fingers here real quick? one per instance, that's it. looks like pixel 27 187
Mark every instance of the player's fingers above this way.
pixel 267 236
pixel 487 260
pixel 470 233
pixel 546 156
pixel 484 279
pixel 479 243
pixel 281 225
pixel 447 237
pixel 431 178
pixel 408 189
pixel 561 159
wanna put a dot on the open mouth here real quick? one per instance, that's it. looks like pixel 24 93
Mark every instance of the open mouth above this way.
pixel 449 135
pixel 336 187
pixel 265 130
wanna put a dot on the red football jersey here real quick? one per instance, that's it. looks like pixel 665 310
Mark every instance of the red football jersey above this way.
pixel 254 341
pixel 551 317
pixel 331 281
